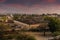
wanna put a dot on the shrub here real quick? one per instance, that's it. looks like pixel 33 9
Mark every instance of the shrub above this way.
pixel 19 36
pixel 25 37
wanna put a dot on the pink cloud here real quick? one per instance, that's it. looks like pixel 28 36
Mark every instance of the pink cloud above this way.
pixel 49 1
pixel 16 5
pixel 36 6
pixel 2 0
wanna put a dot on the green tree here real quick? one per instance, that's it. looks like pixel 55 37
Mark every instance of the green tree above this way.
pixel 53 24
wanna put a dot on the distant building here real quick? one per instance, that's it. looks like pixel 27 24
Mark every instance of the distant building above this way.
pixel 52 15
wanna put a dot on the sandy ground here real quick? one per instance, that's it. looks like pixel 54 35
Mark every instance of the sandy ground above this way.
pixel 39 35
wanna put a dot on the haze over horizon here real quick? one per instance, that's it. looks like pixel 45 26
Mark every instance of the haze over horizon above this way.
pixel 30 6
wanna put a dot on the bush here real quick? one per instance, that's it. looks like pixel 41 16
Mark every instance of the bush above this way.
pixel 34 30
pixel 25 37
pixel 19 36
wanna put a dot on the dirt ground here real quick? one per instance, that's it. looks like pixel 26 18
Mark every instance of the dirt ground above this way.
pixel 39 35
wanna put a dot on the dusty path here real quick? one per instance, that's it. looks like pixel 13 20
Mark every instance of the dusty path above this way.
pixel 38 36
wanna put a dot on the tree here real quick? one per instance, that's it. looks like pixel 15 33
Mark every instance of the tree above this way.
pixel 53 24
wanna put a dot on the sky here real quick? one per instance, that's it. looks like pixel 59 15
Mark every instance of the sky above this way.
pixel 30 6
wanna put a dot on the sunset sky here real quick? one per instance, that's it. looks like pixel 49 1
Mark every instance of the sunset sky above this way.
pixel 30 6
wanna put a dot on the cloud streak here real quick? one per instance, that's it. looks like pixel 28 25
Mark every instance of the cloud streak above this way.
pixel 36 9
pixel 29 6
pixel 1 1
